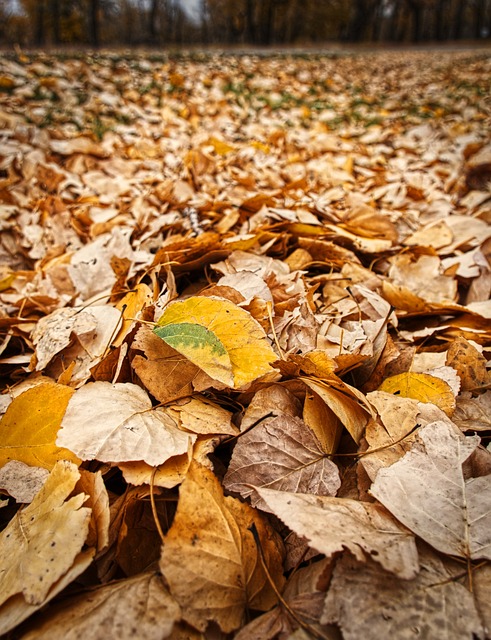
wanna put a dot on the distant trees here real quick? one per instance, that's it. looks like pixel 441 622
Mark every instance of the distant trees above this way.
pixel 244 22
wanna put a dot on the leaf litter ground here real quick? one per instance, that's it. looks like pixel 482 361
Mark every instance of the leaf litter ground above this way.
pixel 245 307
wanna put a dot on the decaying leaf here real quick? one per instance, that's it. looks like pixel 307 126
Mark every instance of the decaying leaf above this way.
pixel 220 338
pixel 21 481
pixel 210 558
pixel 136 607
pixel 281 453
pixel 427 491
pixel 117 423
pixel 431 605
pixel 367 530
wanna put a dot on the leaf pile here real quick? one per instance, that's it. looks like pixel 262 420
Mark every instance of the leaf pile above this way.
pixel 245 315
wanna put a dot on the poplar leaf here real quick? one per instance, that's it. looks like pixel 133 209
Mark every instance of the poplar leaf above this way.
pixel 29 427
pixel 220 338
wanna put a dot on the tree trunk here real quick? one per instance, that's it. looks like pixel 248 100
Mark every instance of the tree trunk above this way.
pixel 152 21
pixel 39 35
pixel 458 20
pixel 416 15
pixel 54 6
pixel 94 23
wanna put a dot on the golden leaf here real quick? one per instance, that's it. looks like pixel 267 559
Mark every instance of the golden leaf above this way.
pixel 422 387
pixel 220 338
pixel 29 428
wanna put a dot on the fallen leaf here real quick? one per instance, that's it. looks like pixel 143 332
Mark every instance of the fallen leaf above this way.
pixel 281 453
pixel 30 554
pixel 21 481
pixel 343 402
pixel 199 415
pixel 218 337
pixel 366 529
pixel 210 559
pixel 426 490
pixel 29 427
pixel 166 374
pixel 432 605
pixel 136 607
pixel 422 387
pixel 469 364
pixel 117 423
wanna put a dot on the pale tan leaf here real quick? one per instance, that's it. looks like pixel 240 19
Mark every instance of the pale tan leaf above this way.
pixel 426 490
pixel 202 416
pixel 22 481
pixel 431 605
pixel 15 610
pixel 92 484
pixel 41 542
pixel 366 529
pixel 138 607
pixel 117 423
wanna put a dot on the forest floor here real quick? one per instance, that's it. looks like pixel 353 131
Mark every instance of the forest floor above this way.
pixel 245 343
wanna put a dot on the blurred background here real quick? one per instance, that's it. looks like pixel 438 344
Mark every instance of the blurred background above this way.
pixel 261 23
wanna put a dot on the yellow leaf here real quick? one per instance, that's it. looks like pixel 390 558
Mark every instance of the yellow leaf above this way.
pixel 29 427
pixel 422 387
pixel 220 147
pixel 210 559
pixel 130 306
pixel 219 337
pixel 343 403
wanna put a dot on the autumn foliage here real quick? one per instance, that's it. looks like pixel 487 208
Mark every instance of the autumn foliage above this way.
pixel 245 317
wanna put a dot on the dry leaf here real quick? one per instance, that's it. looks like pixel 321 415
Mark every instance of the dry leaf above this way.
pixel 21 481
pixel 469 364
pixel 422 387
pixel 42 541
pixel 117 423
pixel 29 427
pixel 137 607
pixel 366 529
pixel 210 559
pixel 344 406
pixel 432 605
pixel 426 490
pixel 281 453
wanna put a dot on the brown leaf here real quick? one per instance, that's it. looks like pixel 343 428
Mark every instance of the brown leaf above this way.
pixel 426 490
pixel 136 607
pixel 469 364
pixel 210 559
pixel 281 453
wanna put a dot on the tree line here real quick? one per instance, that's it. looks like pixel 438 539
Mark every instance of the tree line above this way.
pixel 97 23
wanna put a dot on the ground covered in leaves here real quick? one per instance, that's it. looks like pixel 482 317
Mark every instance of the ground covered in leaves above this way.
pixel 245 333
